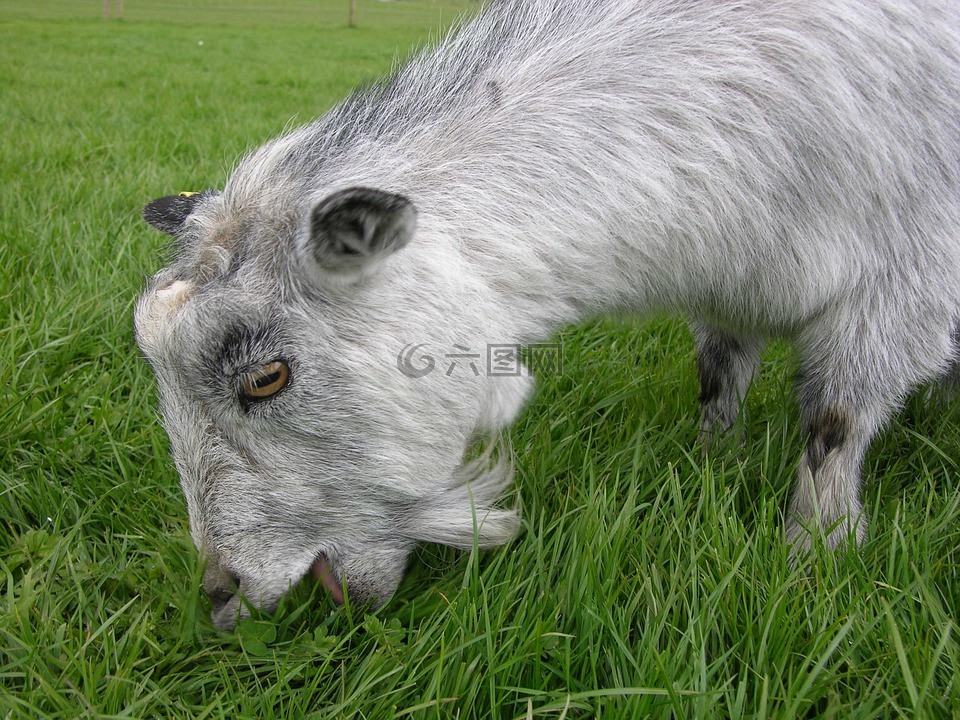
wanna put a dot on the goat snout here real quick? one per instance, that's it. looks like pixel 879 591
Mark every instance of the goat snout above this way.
pixel 220 585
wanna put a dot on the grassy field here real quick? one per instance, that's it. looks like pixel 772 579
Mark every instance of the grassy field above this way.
pixel 647 581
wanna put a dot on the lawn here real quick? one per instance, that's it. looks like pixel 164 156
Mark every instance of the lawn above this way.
pixel 647 580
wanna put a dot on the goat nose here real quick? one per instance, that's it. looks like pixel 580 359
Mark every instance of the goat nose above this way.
pixel 220 585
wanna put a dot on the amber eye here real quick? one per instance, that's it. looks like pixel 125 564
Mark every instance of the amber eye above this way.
pixel 265 381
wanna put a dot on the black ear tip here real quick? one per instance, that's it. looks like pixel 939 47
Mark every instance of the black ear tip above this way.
pixel 156 210
pixel 168 213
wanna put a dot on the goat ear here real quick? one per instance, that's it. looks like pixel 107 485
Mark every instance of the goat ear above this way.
pixel 353 230
pixel 168 214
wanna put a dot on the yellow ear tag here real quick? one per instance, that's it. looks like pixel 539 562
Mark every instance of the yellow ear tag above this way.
pixel 187 194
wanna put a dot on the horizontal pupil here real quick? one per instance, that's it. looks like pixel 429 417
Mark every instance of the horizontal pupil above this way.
pixel 266 380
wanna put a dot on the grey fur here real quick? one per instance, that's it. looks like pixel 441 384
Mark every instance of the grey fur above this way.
pixel 766 168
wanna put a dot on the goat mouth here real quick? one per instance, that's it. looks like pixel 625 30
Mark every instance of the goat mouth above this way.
pixel 323 572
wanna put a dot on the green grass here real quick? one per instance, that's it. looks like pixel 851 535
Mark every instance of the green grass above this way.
pixel 647 582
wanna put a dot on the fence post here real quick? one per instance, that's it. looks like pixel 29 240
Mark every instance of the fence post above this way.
pixel 108 5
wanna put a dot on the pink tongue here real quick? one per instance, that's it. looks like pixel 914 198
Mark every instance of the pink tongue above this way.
pixel 322 572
